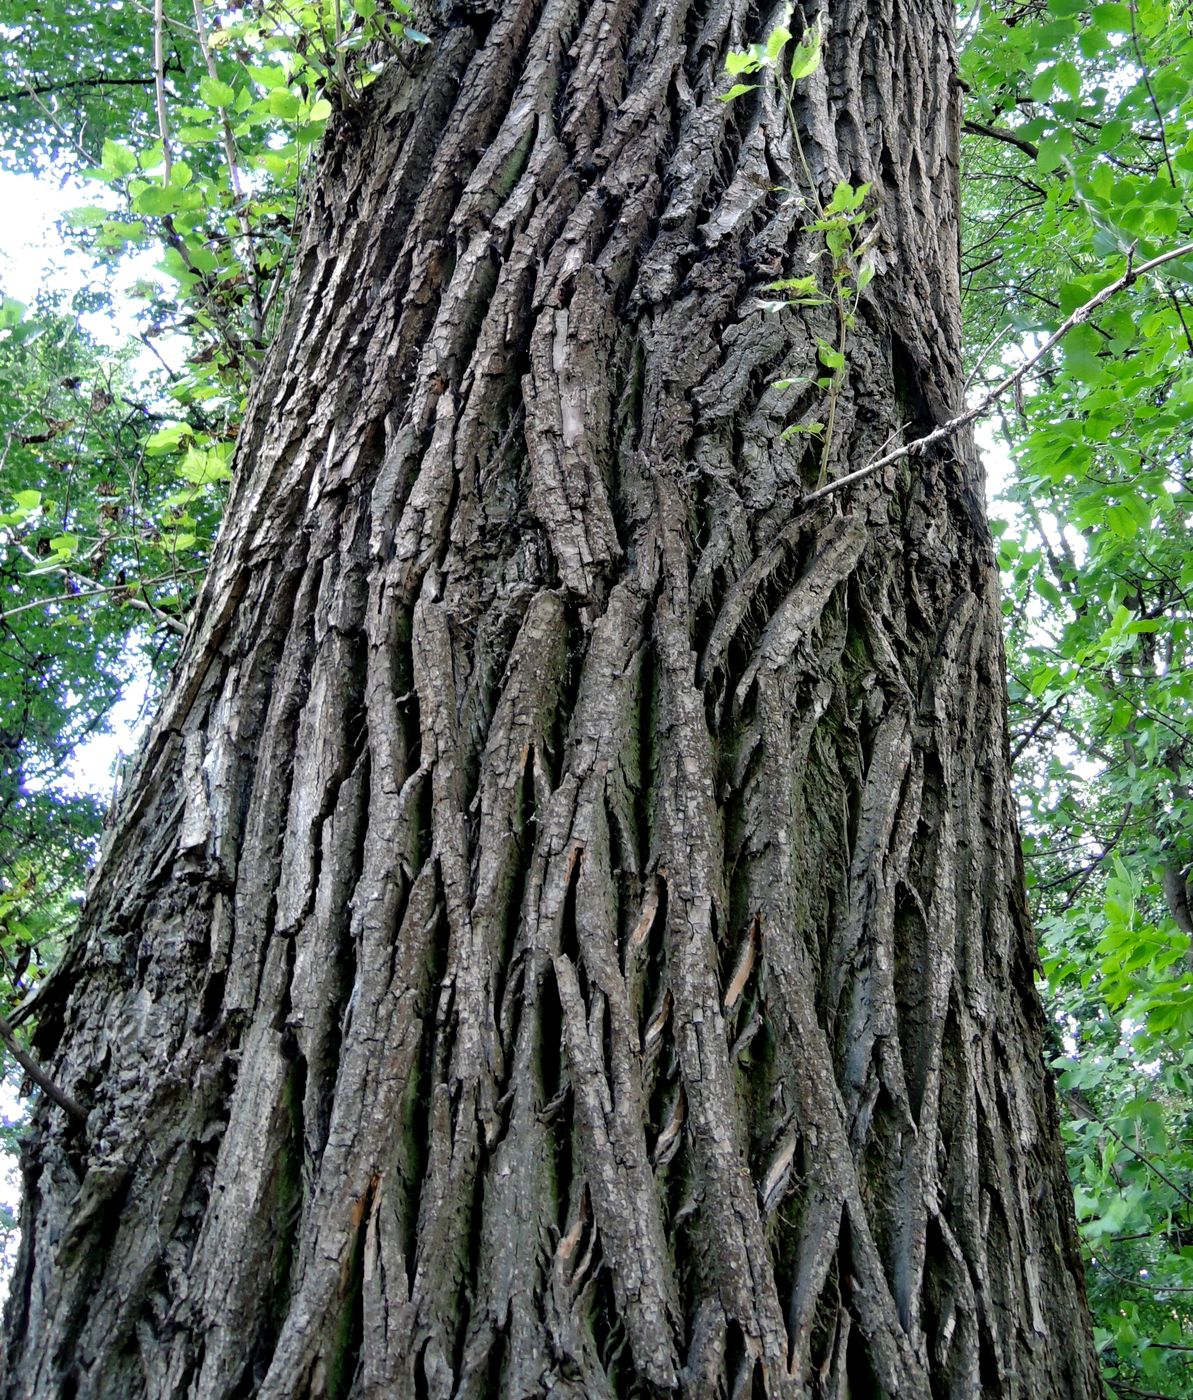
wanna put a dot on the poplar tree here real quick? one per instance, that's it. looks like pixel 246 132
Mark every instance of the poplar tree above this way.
pixel 564 931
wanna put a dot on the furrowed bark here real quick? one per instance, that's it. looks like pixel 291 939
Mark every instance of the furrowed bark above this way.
pixel 565 933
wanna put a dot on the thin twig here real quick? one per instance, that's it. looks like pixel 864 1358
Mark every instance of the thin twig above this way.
pixel 172 622
pixel 1085 1113
pixel 149 345
pixel 35 1072
pixel 1147 83
pixel 171 23
pixel 62 131
pixel 963 420
pixel 1100 1263
pixel 67 84
pixel 1041 719
pixel 984 355
pixel 1180 316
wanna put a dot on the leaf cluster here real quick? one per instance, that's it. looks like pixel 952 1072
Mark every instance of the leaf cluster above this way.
pixel 1080 152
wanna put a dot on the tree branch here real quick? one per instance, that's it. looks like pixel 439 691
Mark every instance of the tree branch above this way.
pixel 1100 1263
pixel 70 1106
pixel 99 80
pixel 963 420
pixel 159 83
pixel 1086 1113
pixel 1001 133
pixel 171 622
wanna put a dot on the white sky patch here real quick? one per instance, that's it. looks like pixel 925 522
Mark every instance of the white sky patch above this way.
pixel 35 257
pixel 999 468
pixel 95 765
pixel 33 205
pixel 12 1110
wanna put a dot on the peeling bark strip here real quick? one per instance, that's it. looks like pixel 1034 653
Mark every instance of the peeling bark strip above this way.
pixel 565 933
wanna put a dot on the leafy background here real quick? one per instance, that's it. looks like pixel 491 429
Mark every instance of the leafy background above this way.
pixel 1078 156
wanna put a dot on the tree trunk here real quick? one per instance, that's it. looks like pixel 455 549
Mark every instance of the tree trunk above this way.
pixel 565 933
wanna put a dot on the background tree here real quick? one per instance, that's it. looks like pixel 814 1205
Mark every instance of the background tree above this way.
pixel 530 704
pixel 65 424
pixel 1082 119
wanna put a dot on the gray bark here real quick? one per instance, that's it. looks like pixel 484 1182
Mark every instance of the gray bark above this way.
pixel 564 932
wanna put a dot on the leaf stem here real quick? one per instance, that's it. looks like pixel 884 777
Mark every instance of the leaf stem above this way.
pixel 836 383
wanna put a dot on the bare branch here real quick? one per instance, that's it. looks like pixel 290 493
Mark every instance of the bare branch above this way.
pixel 142 603
pixel 99 80
pixel 70 1106
pixel 1002 133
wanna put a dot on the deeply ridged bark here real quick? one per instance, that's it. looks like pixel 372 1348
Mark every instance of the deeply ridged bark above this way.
pixel 564 932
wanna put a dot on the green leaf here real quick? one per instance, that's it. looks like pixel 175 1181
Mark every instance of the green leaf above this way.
pixel 1069 78
pixel 799 286
pixel 216 93
pixel 806 58
pixel 156 200
pixel 1092 42
pixel 778 39
pixel 1053 150
pixel 1042 85
pixel 269 76
pixel 167 439
pixel 87 216
pixel 283 103
pixel 1048 591
pixel 203 468
pixel 1114 18
pixel 846 199
pixel 117 160
pixel 737 62
pixel 830 357
pixel 200 135
pixel 738 90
